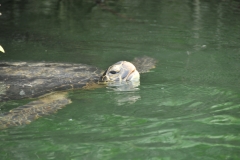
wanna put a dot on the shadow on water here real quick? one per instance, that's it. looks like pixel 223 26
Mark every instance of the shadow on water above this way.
pixel 185 108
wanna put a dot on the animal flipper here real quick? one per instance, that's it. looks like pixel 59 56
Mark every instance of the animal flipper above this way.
pixel 27 113
pixel 144 64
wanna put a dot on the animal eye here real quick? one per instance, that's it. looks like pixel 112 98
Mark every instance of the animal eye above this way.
pixel 113 72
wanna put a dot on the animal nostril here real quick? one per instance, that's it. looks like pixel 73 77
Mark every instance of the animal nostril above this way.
pixel 113 72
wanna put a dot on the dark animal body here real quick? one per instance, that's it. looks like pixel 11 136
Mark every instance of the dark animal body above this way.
pixel 30 80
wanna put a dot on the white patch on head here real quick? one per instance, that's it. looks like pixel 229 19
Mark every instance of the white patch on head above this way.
pixel 22 93
pixel 121 71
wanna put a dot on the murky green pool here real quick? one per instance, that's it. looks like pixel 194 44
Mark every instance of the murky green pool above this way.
pixel 188 107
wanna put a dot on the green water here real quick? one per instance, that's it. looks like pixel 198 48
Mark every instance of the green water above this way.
pixel 188 107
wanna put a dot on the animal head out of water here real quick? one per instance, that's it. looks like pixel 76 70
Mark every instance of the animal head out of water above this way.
pixel 121 71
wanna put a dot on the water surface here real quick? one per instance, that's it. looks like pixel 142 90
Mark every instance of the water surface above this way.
pixel 185 108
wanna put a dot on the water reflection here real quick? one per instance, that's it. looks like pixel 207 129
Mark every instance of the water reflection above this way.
pixel 124 92
pixel 197 19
